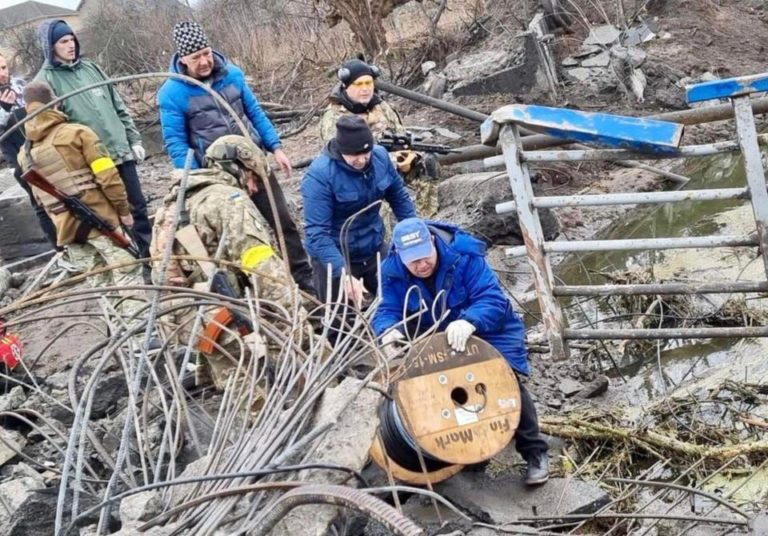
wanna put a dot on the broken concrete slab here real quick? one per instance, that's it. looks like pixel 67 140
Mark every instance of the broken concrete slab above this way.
pixel 638 34
pixel 21 470
pixel 632 56
pixel 480 64
pixel 12 495
pixel 603 35
pixel 595 388
pixel 599 79
pixel 10 442
pixel 198 467
pixel 36 514
pixel 570 62
pixel 109 396
pixel 353 410
pixel 427 67
pixel 519 75
pixel 507 498
pixel 587 50
pixel 570 387
pixel 601 60
pixel 141 507
pixel 579 74
pixel 13 400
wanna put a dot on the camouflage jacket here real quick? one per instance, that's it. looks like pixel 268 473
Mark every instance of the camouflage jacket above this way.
pixel 380 118
pixel 216 204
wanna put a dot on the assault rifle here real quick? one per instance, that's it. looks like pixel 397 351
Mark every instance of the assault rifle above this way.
pixel 406 142
pixel 220 285
pixel 223 316
pixel 81 211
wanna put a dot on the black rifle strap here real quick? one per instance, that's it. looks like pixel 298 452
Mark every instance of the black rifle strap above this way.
pixel 81 235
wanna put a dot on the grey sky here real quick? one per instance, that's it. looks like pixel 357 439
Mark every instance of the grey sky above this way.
pixel 71 4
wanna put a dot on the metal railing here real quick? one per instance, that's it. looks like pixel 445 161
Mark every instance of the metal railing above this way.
pixel 635 139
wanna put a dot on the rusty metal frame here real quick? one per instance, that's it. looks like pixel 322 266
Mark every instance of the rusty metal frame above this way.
pixel 504 126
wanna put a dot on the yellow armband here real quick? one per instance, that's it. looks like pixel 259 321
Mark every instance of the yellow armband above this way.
pixel 102 164
pixel 254 256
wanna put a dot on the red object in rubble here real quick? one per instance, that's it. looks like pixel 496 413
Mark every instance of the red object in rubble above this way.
pixel 11 348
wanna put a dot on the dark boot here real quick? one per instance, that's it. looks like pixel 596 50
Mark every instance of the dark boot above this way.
pixel 538 469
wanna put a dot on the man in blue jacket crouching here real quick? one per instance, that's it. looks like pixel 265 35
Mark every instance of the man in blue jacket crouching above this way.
pixel 446 268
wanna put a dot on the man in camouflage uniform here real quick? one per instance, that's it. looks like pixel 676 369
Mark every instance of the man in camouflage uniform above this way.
pixel 218 206
pixel 72 158
pixel 356 94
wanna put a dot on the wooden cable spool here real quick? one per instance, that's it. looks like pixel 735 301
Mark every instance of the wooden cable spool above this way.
pixel 458 408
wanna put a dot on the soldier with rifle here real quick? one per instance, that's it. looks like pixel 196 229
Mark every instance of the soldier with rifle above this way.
pixel 73 177
pixel 217 208
pixel 356 94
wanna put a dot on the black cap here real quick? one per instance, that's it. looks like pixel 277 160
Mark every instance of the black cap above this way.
pixel 353 136
pixel 354 69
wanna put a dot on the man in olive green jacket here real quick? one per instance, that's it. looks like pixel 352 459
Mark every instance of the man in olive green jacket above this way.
pixel 101 109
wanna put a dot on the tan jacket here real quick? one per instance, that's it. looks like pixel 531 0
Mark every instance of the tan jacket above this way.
pixel 79 148
pixel 380 119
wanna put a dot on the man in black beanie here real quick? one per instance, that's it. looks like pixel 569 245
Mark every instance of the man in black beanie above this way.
pixel 356 94
pixel 346 184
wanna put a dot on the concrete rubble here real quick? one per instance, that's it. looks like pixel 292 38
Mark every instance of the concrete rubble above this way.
pixel 10 443
pixel 20 233
pixel 353 408
pixel 490 498
pixel 609 57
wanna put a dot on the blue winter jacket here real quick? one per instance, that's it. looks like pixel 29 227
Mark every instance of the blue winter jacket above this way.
pixel 472 293
pixel 190 117
pixel 333 191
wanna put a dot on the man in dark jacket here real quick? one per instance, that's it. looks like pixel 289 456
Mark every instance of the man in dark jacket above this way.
pixel 446 268
pixel 191 118
pixel 347 182
pixel 101 109
pixel 11 112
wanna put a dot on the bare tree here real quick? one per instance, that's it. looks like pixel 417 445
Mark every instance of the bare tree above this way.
pixel 29 56
pixel 131 36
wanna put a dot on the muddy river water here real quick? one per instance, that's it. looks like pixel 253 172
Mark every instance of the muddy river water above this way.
pixel 686 364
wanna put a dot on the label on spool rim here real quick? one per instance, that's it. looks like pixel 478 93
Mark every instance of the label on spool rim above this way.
pixel 435 355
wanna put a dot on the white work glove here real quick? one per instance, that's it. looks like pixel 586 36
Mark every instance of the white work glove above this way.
pixel 138 152
pixel 459 332
pixel 390 343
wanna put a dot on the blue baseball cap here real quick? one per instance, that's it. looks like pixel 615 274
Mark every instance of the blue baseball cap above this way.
pixel 412 240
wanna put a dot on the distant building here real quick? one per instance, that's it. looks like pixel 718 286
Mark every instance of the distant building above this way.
pixel 18 25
